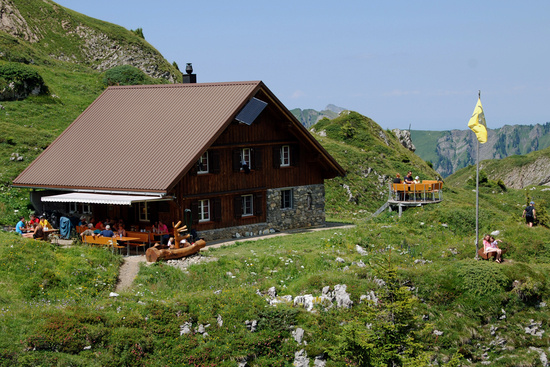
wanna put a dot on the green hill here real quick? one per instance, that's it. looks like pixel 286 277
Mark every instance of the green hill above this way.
pixel 71 53
pixel 391 291
pixel 371 157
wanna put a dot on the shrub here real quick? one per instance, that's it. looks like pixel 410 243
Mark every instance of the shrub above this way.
pixel 17 81
pixel 481 278
pixel 125 75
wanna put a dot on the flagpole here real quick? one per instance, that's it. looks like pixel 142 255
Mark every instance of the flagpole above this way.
pixel 477 191
pixel 477 199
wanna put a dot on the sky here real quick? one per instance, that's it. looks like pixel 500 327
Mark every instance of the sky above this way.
pixel 417 64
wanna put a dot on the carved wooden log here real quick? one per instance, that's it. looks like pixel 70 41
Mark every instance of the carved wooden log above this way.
pixel 153 254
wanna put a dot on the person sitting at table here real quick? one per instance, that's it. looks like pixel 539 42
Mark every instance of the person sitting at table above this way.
pixel 89 231
pixel 107 232
pixel 44 223
pixel 34 220
pixel 163 230
pixel 417 180
pixel 397 179
pixel 408 178
pixel 38 232
pixel 99 225
pixel 121 232
pixel 20 226
pixel 82 221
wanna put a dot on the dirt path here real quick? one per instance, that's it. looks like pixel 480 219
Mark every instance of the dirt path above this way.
pixel 128 272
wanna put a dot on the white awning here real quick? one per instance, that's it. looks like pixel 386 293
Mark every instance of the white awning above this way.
pixel 91 198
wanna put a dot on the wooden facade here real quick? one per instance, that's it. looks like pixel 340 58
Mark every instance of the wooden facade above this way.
pixel 226 181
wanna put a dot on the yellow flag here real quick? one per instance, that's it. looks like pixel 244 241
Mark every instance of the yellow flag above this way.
pixel 477 123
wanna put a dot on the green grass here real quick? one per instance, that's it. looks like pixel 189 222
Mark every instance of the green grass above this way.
pixel 57 302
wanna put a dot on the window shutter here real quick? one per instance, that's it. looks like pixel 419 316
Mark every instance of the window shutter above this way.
pixel 217 209
pixel 294 154
pixel 195 211
pixel 258 204
pixel 236 160
pixel 257 163
pixel 215 161
pixel 276 157
pixel 237 207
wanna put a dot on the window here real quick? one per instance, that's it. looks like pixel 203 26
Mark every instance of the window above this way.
pixel 204 210
pixel 286 199
pixel 285 156
pixel 247 209
pixel 245 157
pixel 80 208
pixel 86 209
pixel 143 212
pixel 202 164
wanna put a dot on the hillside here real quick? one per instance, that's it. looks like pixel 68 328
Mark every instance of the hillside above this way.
pixel 309 117
pixel 450 151
pixel 69 52
pixel 371 157
pixel 517 171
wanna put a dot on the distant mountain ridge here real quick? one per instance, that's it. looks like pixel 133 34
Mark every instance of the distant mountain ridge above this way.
pixel 450 151
pixel 310 117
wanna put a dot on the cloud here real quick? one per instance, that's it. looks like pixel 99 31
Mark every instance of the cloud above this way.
pixel 297 94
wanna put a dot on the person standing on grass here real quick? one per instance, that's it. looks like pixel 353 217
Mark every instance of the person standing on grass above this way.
pixel 530 214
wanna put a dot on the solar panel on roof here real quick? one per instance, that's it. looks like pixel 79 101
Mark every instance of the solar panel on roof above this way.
pixel 252 110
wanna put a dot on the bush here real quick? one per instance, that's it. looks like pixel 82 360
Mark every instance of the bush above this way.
pixel 481 277
pixel 17 81
pixel 125 75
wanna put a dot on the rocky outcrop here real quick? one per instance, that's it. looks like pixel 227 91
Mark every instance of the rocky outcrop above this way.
pixel 83 42
pixel 534 173
pixel 12 22
pixel 404 137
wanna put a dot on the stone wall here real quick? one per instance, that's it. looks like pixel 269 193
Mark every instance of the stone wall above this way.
pixel 308 210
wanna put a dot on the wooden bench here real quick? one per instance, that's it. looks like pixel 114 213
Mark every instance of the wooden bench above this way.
pixel 103 241
pixel 143 241
pixel 487 256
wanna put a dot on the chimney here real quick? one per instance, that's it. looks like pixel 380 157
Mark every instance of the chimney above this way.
pixel 189 77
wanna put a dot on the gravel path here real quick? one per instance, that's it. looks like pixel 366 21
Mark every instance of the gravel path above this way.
pixel 128 272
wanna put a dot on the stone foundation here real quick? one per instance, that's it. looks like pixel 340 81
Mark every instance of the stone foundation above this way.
pixel 308 210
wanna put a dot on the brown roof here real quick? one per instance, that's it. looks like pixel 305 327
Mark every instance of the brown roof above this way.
pixel 156 132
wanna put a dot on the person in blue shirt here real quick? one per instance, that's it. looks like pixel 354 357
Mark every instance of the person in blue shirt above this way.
pixel 107 231
pixel 20 226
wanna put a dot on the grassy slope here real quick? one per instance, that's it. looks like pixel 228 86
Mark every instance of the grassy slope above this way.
pixel 57 299
pixel 358 144
pixel 27 127
pixel 497 168
pixel 425 143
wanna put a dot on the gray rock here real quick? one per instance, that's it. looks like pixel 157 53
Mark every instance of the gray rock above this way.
pixel 298 335
pixel 219 320
pixel 301 359
pixel 361 250
pixel 272 292
pixel 340 260
pixel 320 361
pixel 185 328
pixel 251 325
pixel 343 299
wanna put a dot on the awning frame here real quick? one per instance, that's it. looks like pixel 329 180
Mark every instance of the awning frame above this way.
pixel 105 199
